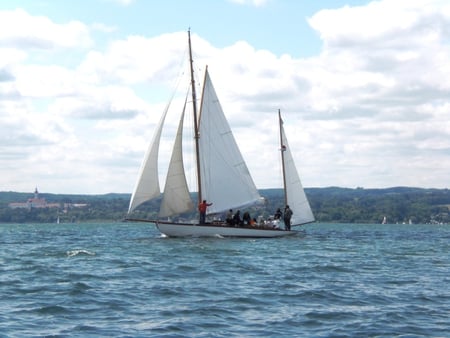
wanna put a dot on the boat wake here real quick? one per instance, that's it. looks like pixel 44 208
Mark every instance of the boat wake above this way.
pixel 72 253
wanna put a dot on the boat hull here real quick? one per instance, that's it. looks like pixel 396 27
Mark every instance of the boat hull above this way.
pixel 196 230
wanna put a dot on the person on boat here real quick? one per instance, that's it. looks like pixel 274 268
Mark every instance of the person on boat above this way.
pixel 202 209
pixel 246 218
pixel 287 217
pixel 237 218
pixel 278 214
pixel 229 217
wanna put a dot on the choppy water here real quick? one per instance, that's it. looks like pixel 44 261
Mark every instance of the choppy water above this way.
pixel 115 280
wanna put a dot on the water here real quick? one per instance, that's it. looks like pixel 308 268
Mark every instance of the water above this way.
pixel 125 280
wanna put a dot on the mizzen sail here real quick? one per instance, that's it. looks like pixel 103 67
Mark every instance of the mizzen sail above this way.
pixel 295 195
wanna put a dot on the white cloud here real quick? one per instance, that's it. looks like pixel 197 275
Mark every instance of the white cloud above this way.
pixel 24 31
pixel 387 61
pixel 137 59
pixel 103 28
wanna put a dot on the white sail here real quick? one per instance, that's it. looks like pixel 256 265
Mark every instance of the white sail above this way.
pixel 176 196
pixel 226 180
pixel 296 198
pixel 147 185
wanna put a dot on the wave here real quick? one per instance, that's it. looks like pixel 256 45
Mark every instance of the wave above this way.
pixel 77 252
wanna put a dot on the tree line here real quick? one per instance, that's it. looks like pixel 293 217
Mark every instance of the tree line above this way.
pixel 332 204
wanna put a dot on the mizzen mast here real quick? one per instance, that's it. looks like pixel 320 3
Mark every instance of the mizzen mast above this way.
pixel 282 149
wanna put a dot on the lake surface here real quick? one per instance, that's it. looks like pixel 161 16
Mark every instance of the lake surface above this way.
pixel 125 280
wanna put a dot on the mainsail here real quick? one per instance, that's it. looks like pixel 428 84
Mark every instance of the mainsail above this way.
pixel 295 195
pixel 225 178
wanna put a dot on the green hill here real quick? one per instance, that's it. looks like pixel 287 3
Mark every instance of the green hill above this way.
pixel 332 204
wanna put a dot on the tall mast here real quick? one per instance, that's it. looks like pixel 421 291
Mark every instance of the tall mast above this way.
pixel 196 131
pixel 282 150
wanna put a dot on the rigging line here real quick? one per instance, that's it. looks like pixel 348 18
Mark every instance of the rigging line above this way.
pixel 177 81
pixel 181 72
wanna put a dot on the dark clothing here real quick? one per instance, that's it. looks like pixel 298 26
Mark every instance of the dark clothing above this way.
pixel 287 218
pixel 237 218
pixel 229 217
pixel 278 214
pixel 246 218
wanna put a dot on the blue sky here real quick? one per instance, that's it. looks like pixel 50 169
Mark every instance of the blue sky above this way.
pixel 363 85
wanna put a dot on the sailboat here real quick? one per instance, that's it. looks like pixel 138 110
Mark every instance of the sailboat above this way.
pixel 222 175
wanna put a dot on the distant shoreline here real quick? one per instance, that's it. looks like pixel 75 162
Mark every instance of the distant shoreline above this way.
pixel 330 205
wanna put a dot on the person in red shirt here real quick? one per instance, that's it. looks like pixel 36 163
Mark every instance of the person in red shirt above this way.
pixel 202 209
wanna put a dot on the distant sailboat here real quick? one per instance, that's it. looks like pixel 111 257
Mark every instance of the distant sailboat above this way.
pixel 222 175
pixel 384 220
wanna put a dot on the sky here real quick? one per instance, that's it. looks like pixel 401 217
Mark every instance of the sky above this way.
pixel 363 87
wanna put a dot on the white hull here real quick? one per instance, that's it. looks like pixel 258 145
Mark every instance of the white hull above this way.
pixel 196 230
